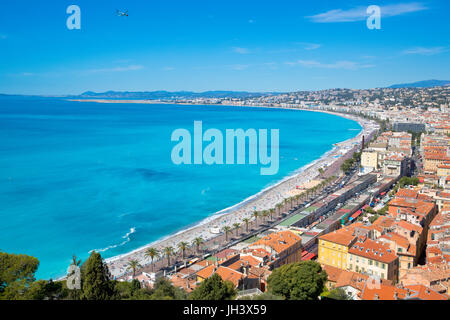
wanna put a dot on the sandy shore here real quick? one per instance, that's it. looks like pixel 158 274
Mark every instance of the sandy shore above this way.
pixel 266 199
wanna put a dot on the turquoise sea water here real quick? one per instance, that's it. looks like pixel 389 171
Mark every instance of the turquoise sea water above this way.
pixel 81 176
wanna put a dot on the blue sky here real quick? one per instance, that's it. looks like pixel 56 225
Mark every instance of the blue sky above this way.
pixel 201 45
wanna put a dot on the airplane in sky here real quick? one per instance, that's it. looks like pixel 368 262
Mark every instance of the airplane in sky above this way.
pixel 122 14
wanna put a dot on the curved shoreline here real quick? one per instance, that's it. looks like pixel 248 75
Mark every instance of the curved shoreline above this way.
pixel 117 264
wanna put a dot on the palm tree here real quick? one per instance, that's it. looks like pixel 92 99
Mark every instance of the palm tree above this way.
pixel 265 214
pixel 133 265
pixel 256 214
pixel 308 194
pixel 236 227
pixel 278 206
pixel 246 220
pixel 314 190
pixel 227 230
pixel 271 212
pixel 151 253
pixel 197 242
pixel 285 202
pixel 168 251
pixel 183 246
pixel 297 197
pixel 75 261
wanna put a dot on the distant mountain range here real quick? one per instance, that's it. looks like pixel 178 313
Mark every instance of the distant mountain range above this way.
pixel 153 95
pixel 422 84
pixel 172 95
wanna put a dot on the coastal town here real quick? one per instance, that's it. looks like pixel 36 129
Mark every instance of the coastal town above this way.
pixel 375 214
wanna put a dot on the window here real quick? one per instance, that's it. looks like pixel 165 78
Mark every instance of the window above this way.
pixel 370 262
pixel 383 265
pixel 376 263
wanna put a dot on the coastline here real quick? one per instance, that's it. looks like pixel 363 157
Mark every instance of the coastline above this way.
pixel 263 200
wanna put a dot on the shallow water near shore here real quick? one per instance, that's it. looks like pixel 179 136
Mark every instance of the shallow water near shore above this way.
pixel 75 177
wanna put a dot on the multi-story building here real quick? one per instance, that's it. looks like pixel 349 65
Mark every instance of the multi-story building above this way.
pixel 333 248
pixel 373 258
pixel 284 247
pixel 369 160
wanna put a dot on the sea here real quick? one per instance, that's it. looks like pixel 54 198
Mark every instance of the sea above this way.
pixel 83 176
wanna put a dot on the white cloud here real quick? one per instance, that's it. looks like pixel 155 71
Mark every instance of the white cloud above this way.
pixel 239 66
pixel 360 14
pixel 168 68
pixel 310 46
pixel 241 50
pixel 425 51
pixel 118 69
pixel 348 65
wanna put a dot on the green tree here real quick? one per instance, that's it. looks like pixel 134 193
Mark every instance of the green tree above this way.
pixel 236 227
pixel 256 215
pixel 96 280
pixel 197 242
pixel 338 294
pixel 263 296
pixel 303 280
pixel 132 290
pixel 151 253
pixel 168 251
pixel 271 212
pixel 45 290
pixel 214 288
pixel 265 214
pixel 279 206
pixel 133 265
pixel 165 290
pixel 246 221
pixel 183 246
pixel 227 230
pixel 17 273
pixel 383 210
pixel 373 218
